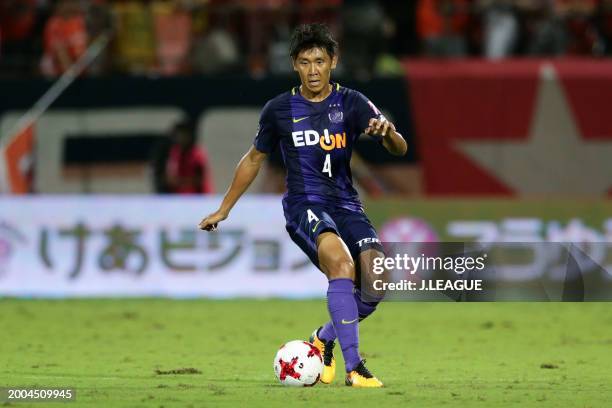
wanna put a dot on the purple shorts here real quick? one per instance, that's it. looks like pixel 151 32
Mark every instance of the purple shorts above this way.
pixel 353 227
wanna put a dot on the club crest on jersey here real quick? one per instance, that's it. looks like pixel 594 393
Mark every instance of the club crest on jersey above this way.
pixel 335 113
pixel 311 137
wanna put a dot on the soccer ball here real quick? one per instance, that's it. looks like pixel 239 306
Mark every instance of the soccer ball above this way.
pixel 298 364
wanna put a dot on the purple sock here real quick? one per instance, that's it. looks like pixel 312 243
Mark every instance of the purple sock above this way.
pixel 343 311
pixel 327 332
pixel 364 309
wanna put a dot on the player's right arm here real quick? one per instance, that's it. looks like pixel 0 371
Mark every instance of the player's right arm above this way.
pixel 266 140
pixel 245 173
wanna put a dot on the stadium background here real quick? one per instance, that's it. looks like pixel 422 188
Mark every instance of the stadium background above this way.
pixel 504 105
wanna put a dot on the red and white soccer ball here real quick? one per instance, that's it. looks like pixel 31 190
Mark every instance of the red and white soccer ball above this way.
pixel 298 364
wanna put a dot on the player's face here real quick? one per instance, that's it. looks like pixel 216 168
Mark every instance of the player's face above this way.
pixel 314 67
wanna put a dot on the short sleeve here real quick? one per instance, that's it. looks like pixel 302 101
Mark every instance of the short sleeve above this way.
pixel 364 110
pixel 267 137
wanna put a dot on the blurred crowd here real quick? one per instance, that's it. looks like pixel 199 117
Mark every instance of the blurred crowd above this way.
pixel 183 37
pixel 505 28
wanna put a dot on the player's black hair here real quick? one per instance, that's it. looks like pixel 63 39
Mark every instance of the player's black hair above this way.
pixel 313 35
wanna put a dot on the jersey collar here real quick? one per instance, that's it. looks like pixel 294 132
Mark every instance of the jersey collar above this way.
pixel 295 91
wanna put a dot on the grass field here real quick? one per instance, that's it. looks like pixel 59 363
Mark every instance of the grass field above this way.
pixel 427 354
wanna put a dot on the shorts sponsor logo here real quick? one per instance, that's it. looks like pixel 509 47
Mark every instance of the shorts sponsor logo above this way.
pixel 365 241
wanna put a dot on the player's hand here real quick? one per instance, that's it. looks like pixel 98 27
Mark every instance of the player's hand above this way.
pixel 379 127
pixel 210 222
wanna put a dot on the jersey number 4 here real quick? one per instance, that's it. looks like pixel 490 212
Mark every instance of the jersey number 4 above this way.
pixel 327 165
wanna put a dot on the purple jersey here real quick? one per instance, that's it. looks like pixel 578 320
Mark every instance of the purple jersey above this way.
pixel 316 141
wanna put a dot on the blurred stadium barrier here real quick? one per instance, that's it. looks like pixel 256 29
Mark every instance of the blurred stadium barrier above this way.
pixel 108 246
pixel 129 115
pixel 520 127
pixel 476 128
pixel 17 141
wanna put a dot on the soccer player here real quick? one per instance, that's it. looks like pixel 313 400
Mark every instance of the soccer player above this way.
pixel 316 125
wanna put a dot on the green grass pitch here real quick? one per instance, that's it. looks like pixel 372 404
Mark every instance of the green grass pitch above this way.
pixel 427 354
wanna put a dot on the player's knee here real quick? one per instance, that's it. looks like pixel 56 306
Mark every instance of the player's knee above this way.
pixel 371 289
pixel 341 268
pixel 367 261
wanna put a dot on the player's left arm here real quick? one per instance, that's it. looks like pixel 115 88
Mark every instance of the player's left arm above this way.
pixel 392 140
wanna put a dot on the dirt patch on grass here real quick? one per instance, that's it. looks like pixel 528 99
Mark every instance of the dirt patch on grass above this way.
pixel 178 371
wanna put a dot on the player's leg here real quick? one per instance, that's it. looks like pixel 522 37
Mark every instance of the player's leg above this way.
pixel 304 228
pixel 324 338
pixel 316 233
pixel 366 305
pixel 337 264
pixel 364 246
pixel 368 296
